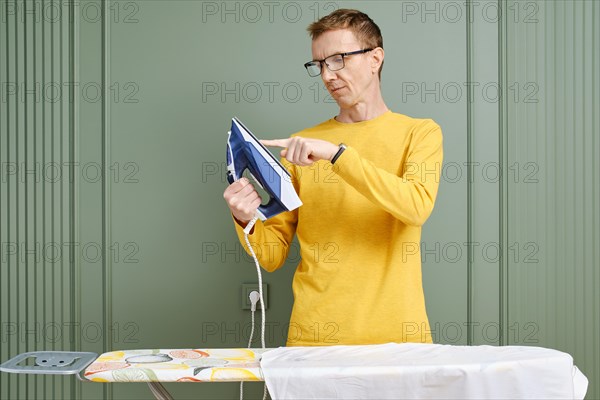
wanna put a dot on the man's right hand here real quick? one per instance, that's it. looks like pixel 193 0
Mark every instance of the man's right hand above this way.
pixel 243 200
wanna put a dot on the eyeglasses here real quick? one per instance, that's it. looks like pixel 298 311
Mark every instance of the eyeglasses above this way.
pixel 334 62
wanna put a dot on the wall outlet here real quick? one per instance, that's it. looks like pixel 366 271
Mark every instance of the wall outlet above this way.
pixel 249 287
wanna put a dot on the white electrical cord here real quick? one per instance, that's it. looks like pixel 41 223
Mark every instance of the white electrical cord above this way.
pixel 254 298
pixel 247 230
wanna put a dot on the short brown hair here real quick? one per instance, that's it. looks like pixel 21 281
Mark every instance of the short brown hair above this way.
pixel 366 31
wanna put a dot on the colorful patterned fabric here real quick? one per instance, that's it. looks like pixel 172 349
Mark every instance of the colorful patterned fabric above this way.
pixel 183 365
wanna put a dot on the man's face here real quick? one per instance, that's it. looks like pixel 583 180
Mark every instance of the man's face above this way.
pixel 356 81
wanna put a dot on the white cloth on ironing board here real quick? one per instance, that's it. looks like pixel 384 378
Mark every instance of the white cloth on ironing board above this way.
pixel 421 371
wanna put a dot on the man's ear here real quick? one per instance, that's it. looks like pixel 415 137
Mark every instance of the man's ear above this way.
pixel 377 55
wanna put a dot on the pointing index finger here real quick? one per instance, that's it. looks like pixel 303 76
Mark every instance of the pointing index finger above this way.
pixel 276 142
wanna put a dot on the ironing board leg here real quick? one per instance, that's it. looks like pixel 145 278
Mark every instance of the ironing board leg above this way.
pixel 159 391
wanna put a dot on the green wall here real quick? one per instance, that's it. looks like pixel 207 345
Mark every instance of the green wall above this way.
pixel 114 116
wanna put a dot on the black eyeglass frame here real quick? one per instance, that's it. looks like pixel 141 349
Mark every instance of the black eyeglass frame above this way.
pixel 321 62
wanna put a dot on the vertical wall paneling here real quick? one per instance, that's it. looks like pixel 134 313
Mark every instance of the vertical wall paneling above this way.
pixel 36 190
pixel 550 150
pixel 106 186
pixel 483 166
pixel 75 178
pixel 593 233
pixel 90 199
pixel 469 246
pixel 4 199
pixel 503 163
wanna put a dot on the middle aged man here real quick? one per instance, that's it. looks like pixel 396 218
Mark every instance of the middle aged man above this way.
pixel 368 179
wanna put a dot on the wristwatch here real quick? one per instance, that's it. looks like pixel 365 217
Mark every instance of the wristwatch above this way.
pixel 339 153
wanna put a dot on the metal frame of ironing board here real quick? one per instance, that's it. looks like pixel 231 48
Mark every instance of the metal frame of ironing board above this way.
pixel 76 363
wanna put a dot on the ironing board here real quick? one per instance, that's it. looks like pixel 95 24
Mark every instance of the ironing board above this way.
pixel 418 365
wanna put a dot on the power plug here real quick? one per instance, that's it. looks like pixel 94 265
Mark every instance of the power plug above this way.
pixel 248 288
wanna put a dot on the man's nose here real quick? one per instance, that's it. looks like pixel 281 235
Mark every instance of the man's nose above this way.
pixel 327 75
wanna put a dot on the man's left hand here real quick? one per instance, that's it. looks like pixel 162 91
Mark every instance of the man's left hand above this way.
pixel 303 151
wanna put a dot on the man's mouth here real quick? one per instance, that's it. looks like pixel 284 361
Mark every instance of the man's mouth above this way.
pixel 333 90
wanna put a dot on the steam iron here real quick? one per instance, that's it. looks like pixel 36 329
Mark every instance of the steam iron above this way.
pixel 245 152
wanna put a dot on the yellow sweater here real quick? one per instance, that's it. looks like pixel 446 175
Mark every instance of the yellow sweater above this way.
pixel 359 278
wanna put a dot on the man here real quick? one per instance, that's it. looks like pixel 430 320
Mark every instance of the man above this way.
pixel 368 180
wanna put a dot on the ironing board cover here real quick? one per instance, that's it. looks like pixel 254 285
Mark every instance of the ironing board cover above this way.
pixel 177 365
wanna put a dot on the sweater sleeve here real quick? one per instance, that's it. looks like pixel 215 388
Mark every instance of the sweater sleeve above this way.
pixel 271 239
pixel 409 196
